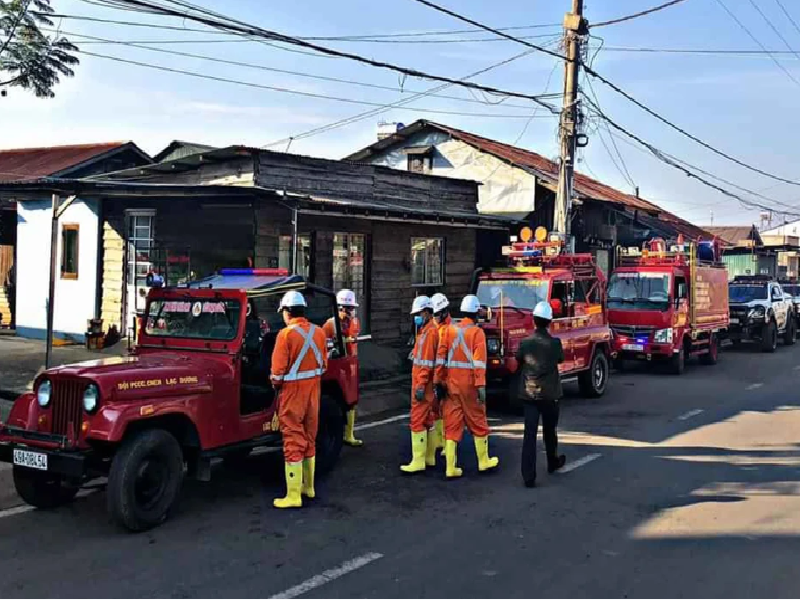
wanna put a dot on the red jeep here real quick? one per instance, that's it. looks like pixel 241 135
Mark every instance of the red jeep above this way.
pixel 195 388
pixel 574 287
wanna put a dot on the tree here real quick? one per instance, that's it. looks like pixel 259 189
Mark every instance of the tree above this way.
pixel 28 58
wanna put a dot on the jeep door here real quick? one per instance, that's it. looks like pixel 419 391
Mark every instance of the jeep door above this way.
pixel 779 305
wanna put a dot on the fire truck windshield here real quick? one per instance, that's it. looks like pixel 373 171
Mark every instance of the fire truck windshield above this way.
pixel 513 293
pixel 204 319
pixel 639 290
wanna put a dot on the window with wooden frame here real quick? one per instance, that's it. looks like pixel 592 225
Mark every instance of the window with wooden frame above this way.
pixel 70 233
pixel 427 261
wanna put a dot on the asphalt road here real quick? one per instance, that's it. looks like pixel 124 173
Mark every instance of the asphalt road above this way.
pixel 681 486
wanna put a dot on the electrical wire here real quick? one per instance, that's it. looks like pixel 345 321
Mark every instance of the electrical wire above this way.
pixel 285 71
pixel 772 26
pixel 227 23
pixel 696 51
pixel 788 16
pixel 288 90
pixel 637 15
pixel 590 71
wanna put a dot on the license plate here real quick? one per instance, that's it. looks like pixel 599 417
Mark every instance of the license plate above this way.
pixel 32 460
pixel 634 347
pixel 734 321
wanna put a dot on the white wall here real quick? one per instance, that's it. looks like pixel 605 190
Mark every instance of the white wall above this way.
pixel 74 299
pixel 506 190
pixel 792 228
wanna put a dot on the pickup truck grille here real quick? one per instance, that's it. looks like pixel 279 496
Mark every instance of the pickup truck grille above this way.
pixel 632 330
pixel 67 406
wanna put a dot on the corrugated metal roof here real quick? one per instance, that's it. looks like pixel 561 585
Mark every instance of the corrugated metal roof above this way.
pixel 543 167
pixel 734 234
pixel 33 163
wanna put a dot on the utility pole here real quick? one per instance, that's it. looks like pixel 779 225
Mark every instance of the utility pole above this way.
pixel 575 27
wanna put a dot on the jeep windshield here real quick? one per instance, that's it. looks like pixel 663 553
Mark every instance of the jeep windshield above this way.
pixel 199 319
pixel 639 291
pixel 522 294
pixel 746 293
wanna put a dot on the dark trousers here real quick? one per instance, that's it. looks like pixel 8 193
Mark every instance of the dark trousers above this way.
pixel 548 409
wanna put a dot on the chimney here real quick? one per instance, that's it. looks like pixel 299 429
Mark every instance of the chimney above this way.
pixel 386 130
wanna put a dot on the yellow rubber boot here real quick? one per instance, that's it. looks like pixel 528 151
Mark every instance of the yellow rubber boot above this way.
pixel 349 429
pixel 430 450
pixel 485 462
pixel 438 427
pixel 451 454
pixel 294 483
pixel 309 466
pixel 419 444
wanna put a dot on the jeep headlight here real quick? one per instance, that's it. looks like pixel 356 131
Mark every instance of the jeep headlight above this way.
pixel 44 392
pixel 90 396
pixel 493 346
pixel 663 336
pixel 757 313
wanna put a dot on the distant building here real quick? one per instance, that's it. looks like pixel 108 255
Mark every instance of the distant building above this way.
pixel 736 235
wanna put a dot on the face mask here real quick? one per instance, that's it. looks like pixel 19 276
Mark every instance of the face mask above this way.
pixel 419 321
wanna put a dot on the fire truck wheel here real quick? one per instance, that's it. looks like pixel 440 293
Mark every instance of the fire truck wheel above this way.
pixel 330 435
pixel 42 490
pixel 593 381
pixel 790 335
pixel 145 479
pixel 713 351
pixel 677 363
pixel 769 337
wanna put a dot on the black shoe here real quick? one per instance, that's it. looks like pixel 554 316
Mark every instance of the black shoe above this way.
pixel 560 462
pixel 530 484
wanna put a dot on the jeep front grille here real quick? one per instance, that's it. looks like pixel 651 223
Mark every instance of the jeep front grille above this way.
pixel 67 406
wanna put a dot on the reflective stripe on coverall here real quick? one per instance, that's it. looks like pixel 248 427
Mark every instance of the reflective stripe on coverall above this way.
pixel 437 413
pixel 461 366
pixel 351 328
pixel 423 363
pixel 298 362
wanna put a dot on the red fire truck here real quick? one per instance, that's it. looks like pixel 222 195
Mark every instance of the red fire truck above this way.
pixel 575 288
pixel 196 388
pixel 669 304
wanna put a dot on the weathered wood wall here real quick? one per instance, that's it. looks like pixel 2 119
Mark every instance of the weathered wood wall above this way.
pixel 113 271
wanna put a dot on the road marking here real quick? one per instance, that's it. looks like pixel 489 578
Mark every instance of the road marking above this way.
pixel 690 414
pixel 379 423
pixel 797 368
pixel 328 576
pixel 585 460
pixel 753 386
pixel 19 510
pixel 570 379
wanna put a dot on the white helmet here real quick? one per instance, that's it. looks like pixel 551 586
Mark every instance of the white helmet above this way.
pixel 470 304
pixel 346 298
pixel 543 310
pixel 291 300
pixel 421 303
pixel 439 302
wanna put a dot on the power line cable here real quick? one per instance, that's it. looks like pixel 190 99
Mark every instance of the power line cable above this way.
pixel 695 51
pixel 589 70
pixel 788 16
pixel 228 23
pixel 286 71
pixel 772 26
pixel 637 15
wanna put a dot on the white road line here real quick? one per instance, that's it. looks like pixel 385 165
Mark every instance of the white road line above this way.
pixel 690 414
pixel 797 368
pixel 753 386
pixel 585 460
pixel 19 510
pixel 379 423
pixel 328 576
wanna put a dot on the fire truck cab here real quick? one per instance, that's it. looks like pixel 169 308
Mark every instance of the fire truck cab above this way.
pixel 538 270
pixel 196 388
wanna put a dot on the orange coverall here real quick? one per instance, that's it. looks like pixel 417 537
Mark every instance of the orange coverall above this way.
pixel 423 363
pixel 436 413
pixel 461 367
pixel 351 327
pixel 298 362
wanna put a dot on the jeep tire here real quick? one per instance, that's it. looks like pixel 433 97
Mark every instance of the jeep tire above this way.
pixel 790 335
pixel 594 380
pixel 330 434
pixel 769 337
pixel 145 479
pixel 41 489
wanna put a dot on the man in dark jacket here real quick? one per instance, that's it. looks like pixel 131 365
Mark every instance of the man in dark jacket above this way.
pixel 538 358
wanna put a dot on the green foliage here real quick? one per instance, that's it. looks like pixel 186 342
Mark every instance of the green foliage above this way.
pixel 28 58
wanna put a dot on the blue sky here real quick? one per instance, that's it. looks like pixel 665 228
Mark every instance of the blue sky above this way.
pixel 743 104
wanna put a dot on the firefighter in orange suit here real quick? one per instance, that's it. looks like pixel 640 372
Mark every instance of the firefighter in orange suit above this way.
pixel 461 372
pixel 441 314
pixel 423 356
pixel 346 300
pixel 298 362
